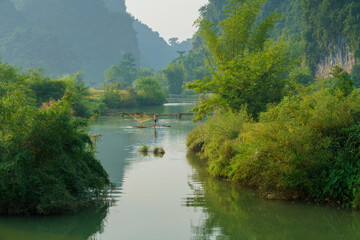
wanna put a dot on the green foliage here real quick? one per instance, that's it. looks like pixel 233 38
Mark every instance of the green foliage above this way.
pixel 144 150
pixel 175 75
pixel 305 147
pixel 149 92
pixel 342 80
pixel 301 74
pixel 185 69
pixel 214 11
pixel 329 23
pixel 111 97
pixel 123 73
pixel 43 89
pixel 248 66
pixel 47 163
pixel 314 28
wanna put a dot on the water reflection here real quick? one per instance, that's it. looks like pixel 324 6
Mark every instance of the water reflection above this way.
pixel 144 187
pixel 155 134
pixel 68 227
pixel 231 212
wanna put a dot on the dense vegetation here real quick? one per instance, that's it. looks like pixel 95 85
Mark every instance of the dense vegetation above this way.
pixel 47 162
pixel 247 65
pixel 315 29
pixel 271 131
pixel 140 86
pixel 336 22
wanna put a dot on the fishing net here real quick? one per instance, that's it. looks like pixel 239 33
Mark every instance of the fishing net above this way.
pixel 143 117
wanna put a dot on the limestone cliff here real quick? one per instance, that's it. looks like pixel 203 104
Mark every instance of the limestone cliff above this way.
pixel 339 54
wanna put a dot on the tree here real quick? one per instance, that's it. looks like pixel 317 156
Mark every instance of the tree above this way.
pixel 149 91
pixel 342 80
pixel 47 159
pixel 173 41
pixel 175 75
pixel 123 73
pixel 247 64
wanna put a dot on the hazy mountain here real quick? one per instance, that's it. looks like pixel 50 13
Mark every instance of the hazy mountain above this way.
pixel 64 36
pixel 116 5
pixel 156 53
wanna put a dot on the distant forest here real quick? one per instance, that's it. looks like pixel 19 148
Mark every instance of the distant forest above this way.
pixel 65 36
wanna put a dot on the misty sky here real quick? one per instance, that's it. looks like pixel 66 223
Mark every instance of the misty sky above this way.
pixel 171 18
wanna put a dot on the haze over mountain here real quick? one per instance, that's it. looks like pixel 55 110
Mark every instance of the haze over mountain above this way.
pixel 155 52
pixel 65 36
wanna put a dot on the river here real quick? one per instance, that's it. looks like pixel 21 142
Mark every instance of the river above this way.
pixel 172 197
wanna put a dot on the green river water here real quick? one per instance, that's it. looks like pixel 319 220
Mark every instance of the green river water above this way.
pixel 172 198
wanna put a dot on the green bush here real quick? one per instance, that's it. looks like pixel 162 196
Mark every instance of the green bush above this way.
pixel 305 147
pixel 47 162
pixel 111 97
pixel 149 92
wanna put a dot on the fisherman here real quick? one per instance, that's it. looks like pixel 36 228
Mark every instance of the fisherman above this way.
pixel 155 119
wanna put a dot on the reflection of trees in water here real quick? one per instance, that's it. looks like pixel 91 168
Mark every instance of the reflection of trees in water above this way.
pixel 81 226
pixel 239 214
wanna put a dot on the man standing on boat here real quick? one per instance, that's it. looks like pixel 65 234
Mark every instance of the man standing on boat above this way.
pixel 155 120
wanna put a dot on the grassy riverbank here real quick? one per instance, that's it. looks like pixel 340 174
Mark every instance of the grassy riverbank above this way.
pixel 273 130
pixel 306 147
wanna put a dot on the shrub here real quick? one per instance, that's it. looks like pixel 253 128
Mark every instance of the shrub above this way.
pixel 305 147
pixel 149 91
pixel 47 163
pixel 144 149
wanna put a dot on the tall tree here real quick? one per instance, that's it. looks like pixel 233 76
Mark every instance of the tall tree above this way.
pixel 123 73
pixel 175 75
pixel 247 64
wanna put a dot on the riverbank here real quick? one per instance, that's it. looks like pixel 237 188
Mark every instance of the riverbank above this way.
pixel 152 188
pixel 47 159
pixel 48 163
pixel 307 147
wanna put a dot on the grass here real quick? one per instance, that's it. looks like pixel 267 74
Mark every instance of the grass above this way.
pixel 144 149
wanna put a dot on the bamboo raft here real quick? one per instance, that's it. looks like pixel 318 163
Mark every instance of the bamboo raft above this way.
pixel 151 126
pixel 177 115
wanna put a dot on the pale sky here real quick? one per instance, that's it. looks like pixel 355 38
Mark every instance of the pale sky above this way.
pixel 171 18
